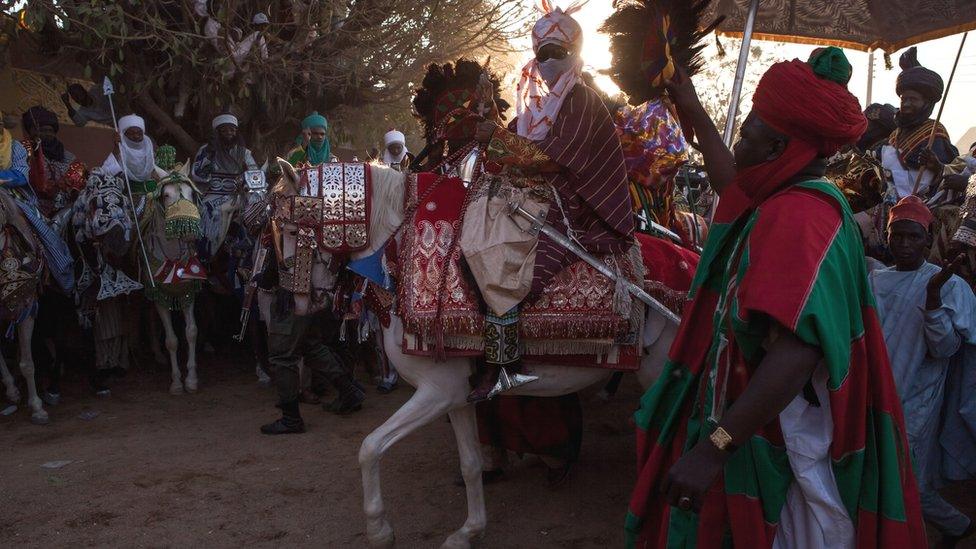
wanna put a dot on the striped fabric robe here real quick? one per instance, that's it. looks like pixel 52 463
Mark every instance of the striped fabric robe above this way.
pixel 591 181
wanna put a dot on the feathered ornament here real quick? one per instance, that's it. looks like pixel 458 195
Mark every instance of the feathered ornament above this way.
pixel 447 87
pixel 547 7
pixel 650 40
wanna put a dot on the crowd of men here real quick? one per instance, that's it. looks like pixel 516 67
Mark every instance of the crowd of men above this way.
pixel 45 180
pixel 817 392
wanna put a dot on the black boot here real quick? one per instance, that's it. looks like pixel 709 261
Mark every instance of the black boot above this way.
pixel 99 383
pixel 350 399
pixel 290 422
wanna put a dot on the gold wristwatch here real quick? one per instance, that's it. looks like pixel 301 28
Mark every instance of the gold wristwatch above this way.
pixel 722 440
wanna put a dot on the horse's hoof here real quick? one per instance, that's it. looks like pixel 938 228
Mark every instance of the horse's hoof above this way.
pixel 461 540
pixel 191 385
pixel 51 399
pixel 383 537
pixel 176 388
pixel 40 418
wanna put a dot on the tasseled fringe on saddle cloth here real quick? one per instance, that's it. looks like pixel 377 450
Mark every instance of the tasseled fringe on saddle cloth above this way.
pixel 174 297
pixel 581 314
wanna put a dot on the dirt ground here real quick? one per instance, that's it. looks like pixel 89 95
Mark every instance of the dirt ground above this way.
pixel 154 470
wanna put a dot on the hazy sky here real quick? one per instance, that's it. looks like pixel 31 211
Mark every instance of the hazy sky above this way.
pixel 938 55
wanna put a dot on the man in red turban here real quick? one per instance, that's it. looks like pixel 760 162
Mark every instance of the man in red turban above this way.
pixel 776 422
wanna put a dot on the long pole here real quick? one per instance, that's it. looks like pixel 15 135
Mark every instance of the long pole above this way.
pixel 740 71
pixel 870 76
pixel 109 91
pixel 938 118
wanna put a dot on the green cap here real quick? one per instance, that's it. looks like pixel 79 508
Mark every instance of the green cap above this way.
pixel 832 64
pixel 315 120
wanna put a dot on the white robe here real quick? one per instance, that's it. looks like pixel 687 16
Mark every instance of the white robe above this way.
pixel 920 345
pixel 902 179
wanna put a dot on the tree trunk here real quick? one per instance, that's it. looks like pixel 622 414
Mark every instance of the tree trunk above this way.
pixel 183 140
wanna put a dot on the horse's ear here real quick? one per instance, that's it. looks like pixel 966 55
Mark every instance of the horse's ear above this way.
pixel 289 173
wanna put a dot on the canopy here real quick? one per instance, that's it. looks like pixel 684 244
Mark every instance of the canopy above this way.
pixel 856 24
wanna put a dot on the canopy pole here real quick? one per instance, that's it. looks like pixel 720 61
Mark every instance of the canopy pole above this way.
pixel 740 76
pixel 870 77
pixel 740 72
pixel 938 118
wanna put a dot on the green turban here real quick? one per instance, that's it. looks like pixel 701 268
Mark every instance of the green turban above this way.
pixel 317 153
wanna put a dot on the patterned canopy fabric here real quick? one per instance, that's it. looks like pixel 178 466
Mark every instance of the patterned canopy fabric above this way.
pixel 857 24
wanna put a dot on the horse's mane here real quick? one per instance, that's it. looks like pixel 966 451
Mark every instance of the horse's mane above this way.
pixel 629 26
pixel 462 74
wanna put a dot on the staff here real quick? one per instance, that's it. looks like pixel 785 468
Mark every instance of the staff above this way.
pixel 109 91
pixel 938 118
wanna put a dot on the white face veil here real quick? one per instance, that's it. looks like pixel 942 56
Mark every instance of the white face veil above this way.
pixel 544 86
pixel 139 157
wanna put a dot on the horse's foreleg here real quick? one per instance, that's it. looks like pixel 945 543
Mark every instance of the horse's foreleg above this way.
pixel 191 348
pixel 423 407
pixel 13 395
pixel 469 451
pixel 172 346
pixel 152 329
pixel 24 333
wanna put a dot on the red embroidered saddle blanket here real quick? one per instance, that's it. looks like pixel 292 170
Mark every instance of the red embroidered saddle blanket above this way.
pixel 578 318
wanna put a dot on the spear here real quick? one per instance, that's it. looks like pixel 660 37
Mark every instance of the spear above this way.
pixel 109 90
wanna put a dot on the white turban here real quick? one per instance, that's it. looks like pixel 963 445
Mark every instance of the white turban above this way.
pixel 393 136
pixel 138 157
pixel 224 119
pixel 131 121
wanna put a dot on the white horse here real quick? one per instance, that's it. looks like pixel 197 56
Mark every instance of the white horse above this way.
pixel 171 227
pixel 22 263
pixel 443 387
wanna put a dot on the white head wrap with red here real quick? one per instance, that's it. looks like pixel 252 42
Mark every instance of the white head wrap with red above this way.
pixel 538 99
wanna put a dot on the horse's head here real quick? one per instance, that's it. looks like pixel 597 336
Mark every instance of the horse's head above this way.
pixel 102 216
pixel 302 237
pixel 177 201
pixel 303 267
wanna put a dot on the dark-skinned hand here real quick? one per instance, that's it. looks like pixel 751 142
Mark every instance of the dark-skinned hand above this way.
pixel 693 474
pixel 931 161
pixel 956 183
pixel 933 289
pixel 681 89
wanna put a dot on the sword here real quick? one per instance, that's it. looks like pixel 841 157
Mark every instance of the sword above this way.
pixel 539 225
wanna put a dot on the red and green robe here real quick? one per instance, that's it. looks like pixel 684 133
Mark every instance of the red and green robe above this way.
pixel 796 259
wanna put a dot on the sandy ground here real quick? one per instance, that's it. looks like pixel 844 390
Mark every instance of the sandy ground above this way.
pixel 153 470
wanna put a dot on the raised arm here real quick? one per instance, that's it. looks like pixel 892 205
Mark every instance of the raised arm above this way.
pixel 719 162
